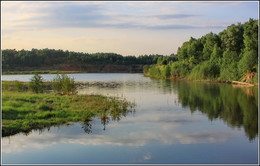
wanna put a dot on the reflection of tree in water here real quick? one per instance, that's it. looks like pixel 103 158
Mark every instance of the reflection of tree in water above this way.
pixel 237 106
pixel 113 111
pixel 104 122
pixel 87 126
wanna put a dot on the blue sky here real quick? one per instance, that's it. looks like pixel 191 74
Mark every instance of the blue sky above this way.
pixel 124 27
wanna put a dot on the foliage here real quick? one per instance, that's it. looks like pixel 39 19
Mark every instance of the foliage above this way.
pixel 205 70
pixel 63 84
pixel 249 62
pixel 227 56
pixel 167 71
pixel 24 111
pixel 42 58
pixel 36 84
pixel 179 69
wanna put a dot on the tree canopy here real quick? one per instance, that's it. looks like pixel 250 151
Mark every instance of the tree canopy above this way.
pixel 229 55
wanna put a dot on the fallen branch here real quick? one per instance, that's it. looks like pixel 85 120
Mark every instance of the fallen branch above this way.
pixel 242 83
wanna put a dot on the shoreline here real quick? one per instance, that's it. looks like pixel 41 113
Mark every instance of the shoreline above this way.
pixel 234 83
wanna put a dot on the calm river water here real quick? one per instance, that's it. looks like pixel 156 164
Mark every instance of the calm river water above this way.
pixel 174 122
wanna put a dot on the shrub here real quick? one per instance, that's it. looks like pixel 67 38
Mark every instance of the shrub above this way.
pixel 205 70
pixel 155 71
pixel 229 72
pixel 180 69
pixel 167 71
pixel 63 84
pixel 36 84
pixel 57 84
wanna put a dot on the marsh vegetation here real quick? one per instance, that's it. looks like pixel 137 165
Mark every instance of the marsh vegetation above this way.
pixel 27 106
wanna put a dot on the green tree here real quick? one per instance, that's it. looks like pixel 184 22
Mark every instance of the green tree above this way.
pixel 36 84
pixel 209 42
pixel 249 60
pixel 232 38
pixel 251 35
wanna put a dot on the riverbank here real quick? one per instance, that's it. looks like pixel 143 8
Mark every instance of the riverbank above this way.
pixel 234 83
pixel 164 72
pixel 25 111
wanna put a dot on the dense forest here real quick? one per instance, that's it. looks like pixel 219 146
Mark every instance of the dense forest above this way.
pixel 227 56
pixel 51 59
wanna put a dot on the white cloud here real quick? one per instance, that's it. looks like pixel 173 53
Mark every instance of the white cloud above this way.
pixel 143 27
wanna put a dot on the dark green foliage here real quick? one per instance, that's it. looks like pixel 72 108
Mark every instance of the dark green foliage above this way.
pixel 249 62
pixel 210 41
pixel 231 55
pixel 251 35
pixel 216 53
pixel 232 38
pixel 192 48
pixel 229 70
pixel 36 84
pixel 36 58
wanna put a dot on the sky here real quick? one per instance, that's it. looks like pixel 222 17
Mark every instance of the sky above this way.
pixel 123 27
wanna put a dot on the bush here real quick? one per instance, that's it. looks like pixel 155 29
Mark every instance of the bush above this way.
pixel 248 62
pixel 63 84
pixel 180 69
pixel 36 84
pixel 205 70
pixel 167 71
pixel 229 72
pixel 154 71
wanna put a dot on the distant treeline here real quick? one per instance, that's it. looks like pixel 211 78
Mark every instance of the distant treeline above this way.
pixel 229 55
pixel 37 58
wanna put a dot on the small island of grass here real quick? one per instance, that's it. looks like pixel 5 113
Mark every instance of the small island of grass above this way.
pixel 23 110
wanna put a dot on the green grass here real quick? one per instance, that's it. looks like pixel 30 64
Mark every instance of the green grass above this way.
pixel 25 111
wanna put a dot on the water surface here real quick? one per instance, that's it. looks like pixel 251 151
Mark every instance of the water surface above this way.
pixel 174 122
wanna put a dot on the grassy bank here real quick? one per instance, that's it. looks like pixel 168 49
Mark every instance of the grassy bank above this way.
pixel 170 71
pixel 25 111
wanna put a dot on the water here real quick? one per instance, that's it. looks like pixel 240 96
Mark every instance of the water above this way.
pixel 175 122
